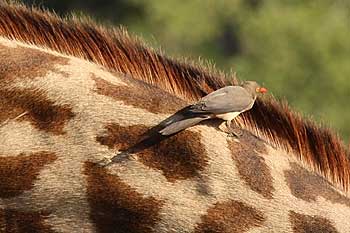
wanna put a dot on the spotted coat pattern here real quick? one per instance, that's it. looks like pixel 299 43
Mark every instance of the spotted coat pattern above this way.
pixel 60 115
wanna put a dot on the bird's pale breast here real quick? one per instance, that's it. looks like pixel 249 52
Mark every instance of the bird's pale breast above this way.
pixel 228 116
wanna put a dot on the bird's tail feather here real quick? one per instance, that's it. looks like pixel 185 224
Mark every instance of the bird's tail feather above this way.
pixel 177 122
pixel 181 125
pixel 176 117
pixel 165 129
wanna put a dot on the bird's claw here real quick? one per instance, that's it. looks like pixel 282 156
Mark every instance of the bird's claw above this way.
pixel 237 133
pixel 231 131
pixel 232 135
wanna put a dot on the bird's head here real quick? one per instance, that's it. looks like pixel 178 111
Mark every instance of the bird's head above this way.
pixel 253 87
pixel 261 90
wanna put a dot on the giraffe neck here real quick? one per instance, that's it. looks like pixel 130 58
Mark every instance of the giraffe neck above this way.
pixel 60 115
pixel 319 148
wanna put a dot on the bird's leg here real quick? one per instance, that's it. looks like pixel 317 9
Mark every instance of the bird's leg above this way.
pixel 234 130
pixel 231 131
pixel 224 127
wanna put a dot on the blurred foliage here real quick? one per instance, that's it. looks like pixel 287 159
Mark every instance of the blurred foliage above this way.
pixel 299 49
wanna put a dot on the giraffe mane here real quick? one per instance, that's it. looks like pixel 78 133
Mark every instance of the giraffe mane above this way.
pixel 318 147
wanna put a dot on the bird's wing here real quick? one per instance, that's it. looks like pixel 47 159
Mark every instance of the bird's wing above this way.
pixel 228 99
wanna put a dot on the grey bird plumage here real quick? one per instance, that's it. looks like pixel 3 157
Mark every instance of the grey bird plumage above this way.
pixel 225 103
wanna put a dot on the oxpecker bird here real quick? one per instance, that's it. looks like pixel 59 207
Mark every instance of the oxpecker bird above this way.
pixel 225 103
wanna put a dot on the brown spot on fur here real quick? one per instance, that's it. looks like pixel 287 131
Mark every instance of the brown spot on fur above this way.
pixel 307 186
pixel 251 166
pixel 115 206
pixel 41 112
pixel 140 95
pixel 115 50
pixel 19 63
pixel 18 173
pixel 310 224
pixel 230 216
pixel 15 221
pixel 318 147
pixel 7 109
pixel 181 156
pixel 22 62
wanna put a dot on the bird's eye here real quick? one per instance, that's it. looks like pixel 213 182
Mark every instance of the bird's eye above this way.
pixel 257 89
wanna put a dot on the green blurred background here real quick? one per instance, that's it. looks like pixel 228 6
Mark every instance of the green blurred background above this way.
pixel 299 49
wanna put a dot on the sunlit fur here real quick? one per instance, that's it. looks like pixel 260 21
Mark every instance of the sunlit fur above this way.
pixel 122 60
pixel 116 50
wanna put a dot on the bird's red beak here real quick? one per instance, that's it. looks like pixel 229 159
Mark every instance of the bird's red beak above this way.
pixel 262 90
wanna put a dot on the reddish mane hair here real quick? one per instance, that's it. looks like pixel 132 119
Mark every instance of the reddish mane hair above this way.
pixel 114 49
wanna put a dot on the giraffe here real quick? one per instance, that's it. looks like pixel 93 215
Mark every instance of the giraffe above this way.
pixel 73 92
